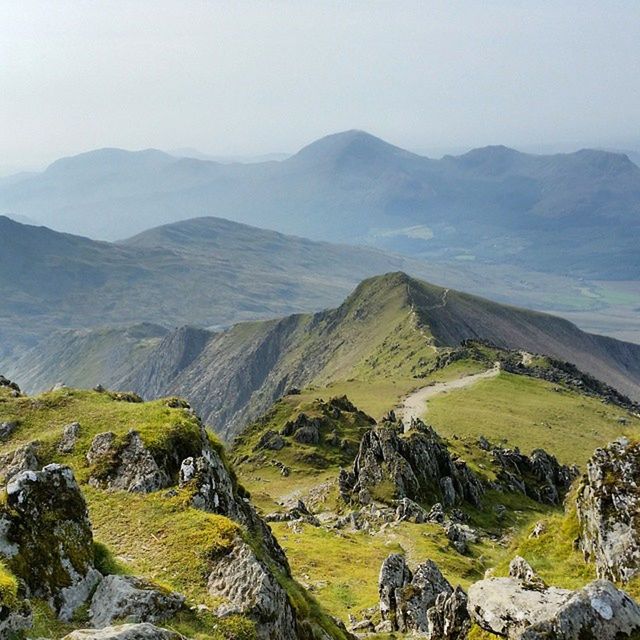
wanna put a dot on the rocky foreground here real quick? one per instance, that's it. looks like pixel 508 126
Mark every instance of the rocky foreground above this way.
pixel 243 588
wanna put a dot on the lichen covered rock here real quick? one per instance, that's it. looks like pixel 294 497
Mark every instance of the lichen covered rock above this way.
pixel 608 506
pixel 132 599
pixel 46 538
pixel 125 465
pixel 521 607
pixel 143 631
pixel 415 465
pixel 539 476
pixel 24 458
pixel 421 602
pixel 249 588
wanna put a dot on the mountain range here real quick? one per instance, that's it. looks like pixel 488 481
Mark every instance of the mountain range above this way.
pixel 575 213
pixel 233 376
pixel 208 272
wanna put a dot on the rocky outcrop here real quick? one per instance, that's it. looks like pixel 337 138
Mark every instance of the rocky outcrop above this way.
pixel 421 602
pixel 521 607
pixel 539 476
pixel 143 631
pixel 608 506
pixel 46 538
pixel 415 465
pixel 132 599
pixel 250 588
pixel 126 465
pixel 23 458
pixel 13 388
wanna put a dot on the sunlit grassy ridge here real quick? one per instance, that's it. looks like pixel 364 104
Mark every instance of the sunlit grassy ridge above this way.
pixel 528 413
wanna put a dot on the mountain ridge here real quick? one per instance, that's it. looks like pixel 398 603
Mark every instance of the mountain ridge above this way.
pixel 494 205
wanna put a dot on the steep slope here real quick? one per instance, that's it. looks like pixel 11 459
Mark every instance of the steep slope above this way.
pixel 162 499
pixel 392 329
pixel 208 272
pixel 565 213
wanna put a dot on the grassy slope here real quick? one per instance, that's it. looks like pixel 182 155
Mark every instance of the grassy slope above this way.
pixel 528 413
pixel 157 536
pixel 342 567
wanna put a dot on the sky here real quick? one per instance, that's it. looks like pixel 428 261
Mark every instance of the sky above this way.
pixel 251 77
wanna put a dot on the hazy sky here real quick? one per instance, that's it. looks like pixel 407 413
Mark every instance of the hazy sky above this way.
pixel 243 77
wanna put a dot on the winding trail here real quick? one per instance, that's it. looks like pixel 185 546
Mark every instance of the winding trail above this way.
pixel 415 405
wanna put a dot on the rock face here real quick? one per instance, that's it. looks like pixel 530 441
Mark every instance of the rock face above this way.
pixel 528 610
pixel 124 632
pixel 250 588
pixel 421 602
pixel 539 476
pixel 128 465
pixel 608 505
pixel 132 599
pixel 416 465
pixel 46 539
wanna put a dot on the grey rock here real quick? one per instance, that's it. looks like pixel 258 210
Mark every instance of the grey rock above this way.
pixel 270 440
pixel 406 597
pixel 127 466
pixel 24 458
pixel 608 505
pixel 417 465
pixel 249 588
pixel 69 437
pixel 521 570
pixel 513 608
pixel 394 576
pixel 143 631
pixel 599 610
pixel 541 476
pixel 410 511
pixel 132 599
pixel 448 618
pixel 506 607
pixel 461 535
pixel 45 522
pixel 6 429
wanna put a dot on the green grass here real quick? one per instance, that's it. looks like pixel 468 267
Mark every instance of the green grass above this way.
pixel 527 413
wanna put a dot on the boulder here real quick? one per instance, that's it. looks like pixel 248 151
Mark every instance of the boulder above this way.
pixel 521 610
pixel 132 599
pixel 410 511
pixel 448 619
pixel 248 587
pixel 598 611
pixel 69 437
pixel 46 538
pixel 506 607
pixel 124 465
pixel 143 631
pixel 406 598
pixel 270 440
pixel 608 505
pixel 24 458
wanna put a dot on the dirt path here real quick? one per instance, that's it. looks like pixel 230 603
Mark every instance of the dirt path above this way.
pixel 415 404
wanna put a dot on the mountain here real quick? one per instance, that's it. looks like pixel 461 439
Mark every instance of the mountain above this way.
pixel 209 272
pixel 575 213
pixel 389 331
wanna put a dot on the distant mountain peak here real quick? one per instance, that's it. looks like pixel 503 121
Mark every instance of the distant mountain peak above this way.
pixel 356 144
